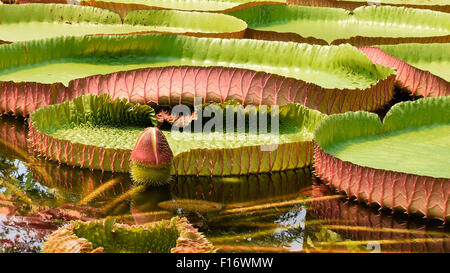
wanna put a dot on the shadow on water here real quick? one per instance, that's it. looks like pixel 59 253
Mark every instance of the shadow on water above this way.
pixel 279 212
pixel 400 95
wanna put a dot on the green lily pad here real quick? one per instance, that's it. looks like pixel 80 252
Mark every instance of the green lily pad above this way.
pixel 174 235
pixel 431 57
pixel 406 2
pixel 91 131
pixel 406 155
pixel 39 21
pixel 363 26
pixel 125 6
pixel 168 69
pixel 419 82
pixel 64 59
pixel 363 140
pixel 439 5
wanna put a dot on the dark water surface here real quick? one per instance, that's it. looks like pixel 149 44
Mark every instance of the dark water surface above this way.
pixel 280 212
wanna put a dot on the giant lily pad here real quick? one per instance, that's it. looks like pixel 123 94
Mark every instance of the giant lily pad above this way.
pixel 401 163
pixel 74 182
pixel 90 131
pixel 331 78
pixel 438 5
pixel 412 62
pixel 125 6
pixel 430 57
pixel 364 26
pixel 176 235
pixel 38 21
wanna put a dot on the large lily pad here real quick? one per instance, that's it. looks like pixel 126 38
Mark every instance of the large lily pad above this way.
pixel 422 69
pixel 176 235
pixel 331 78
pixel 125 6
pixel 438 5
pixel 90 131
pixel 400 163
pixel 364 26
pixel 67 180
pixel 38 21
pixel 430 57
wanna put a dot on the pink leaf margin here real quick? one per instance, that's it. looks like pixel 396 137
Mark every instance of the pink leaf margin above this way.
pixel 174 85
pixel 355 40
pixel 410 193
pixel 365 225
pixel 417 81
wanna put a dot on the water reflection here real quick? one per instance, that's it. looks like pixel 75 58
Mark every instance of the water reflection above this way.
pixel 23 234
pixel 145 205
pixel 279 212
pixel 251 189
pixel 365 225
pixel 262 213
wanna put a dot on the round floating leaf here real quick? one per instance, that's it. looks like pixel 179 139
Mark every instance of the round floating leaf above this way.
pixel 430 57
pixel 363 26
pixel 415 80
pixel 330 78
pixel 39 21
pixel 438 5
pixel 80 133
pixel 123 7
pixel 176 235
pixel 400 163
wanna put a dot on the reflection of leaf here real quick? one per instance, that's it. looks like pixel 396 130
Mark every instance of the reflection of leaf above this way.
pixel 191 205
pixel 310 242
pixel 21 184
pixel 355 248
pixel 327 237
pixel 109 224
pixel 16 191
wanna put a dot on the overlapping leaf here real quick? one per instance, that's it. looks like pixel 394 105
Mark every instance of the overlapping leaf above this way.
pixel 331 79
pixel 438 5
pixel 38 21
pixel 124 6
pixel 363 26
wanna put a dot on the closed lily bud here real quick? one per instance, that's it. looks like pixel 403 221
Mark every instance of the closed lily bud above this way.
pixel 151 158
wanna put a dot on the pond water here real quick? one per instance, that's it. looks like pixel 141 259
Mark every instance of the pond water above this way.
pixel 281 212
